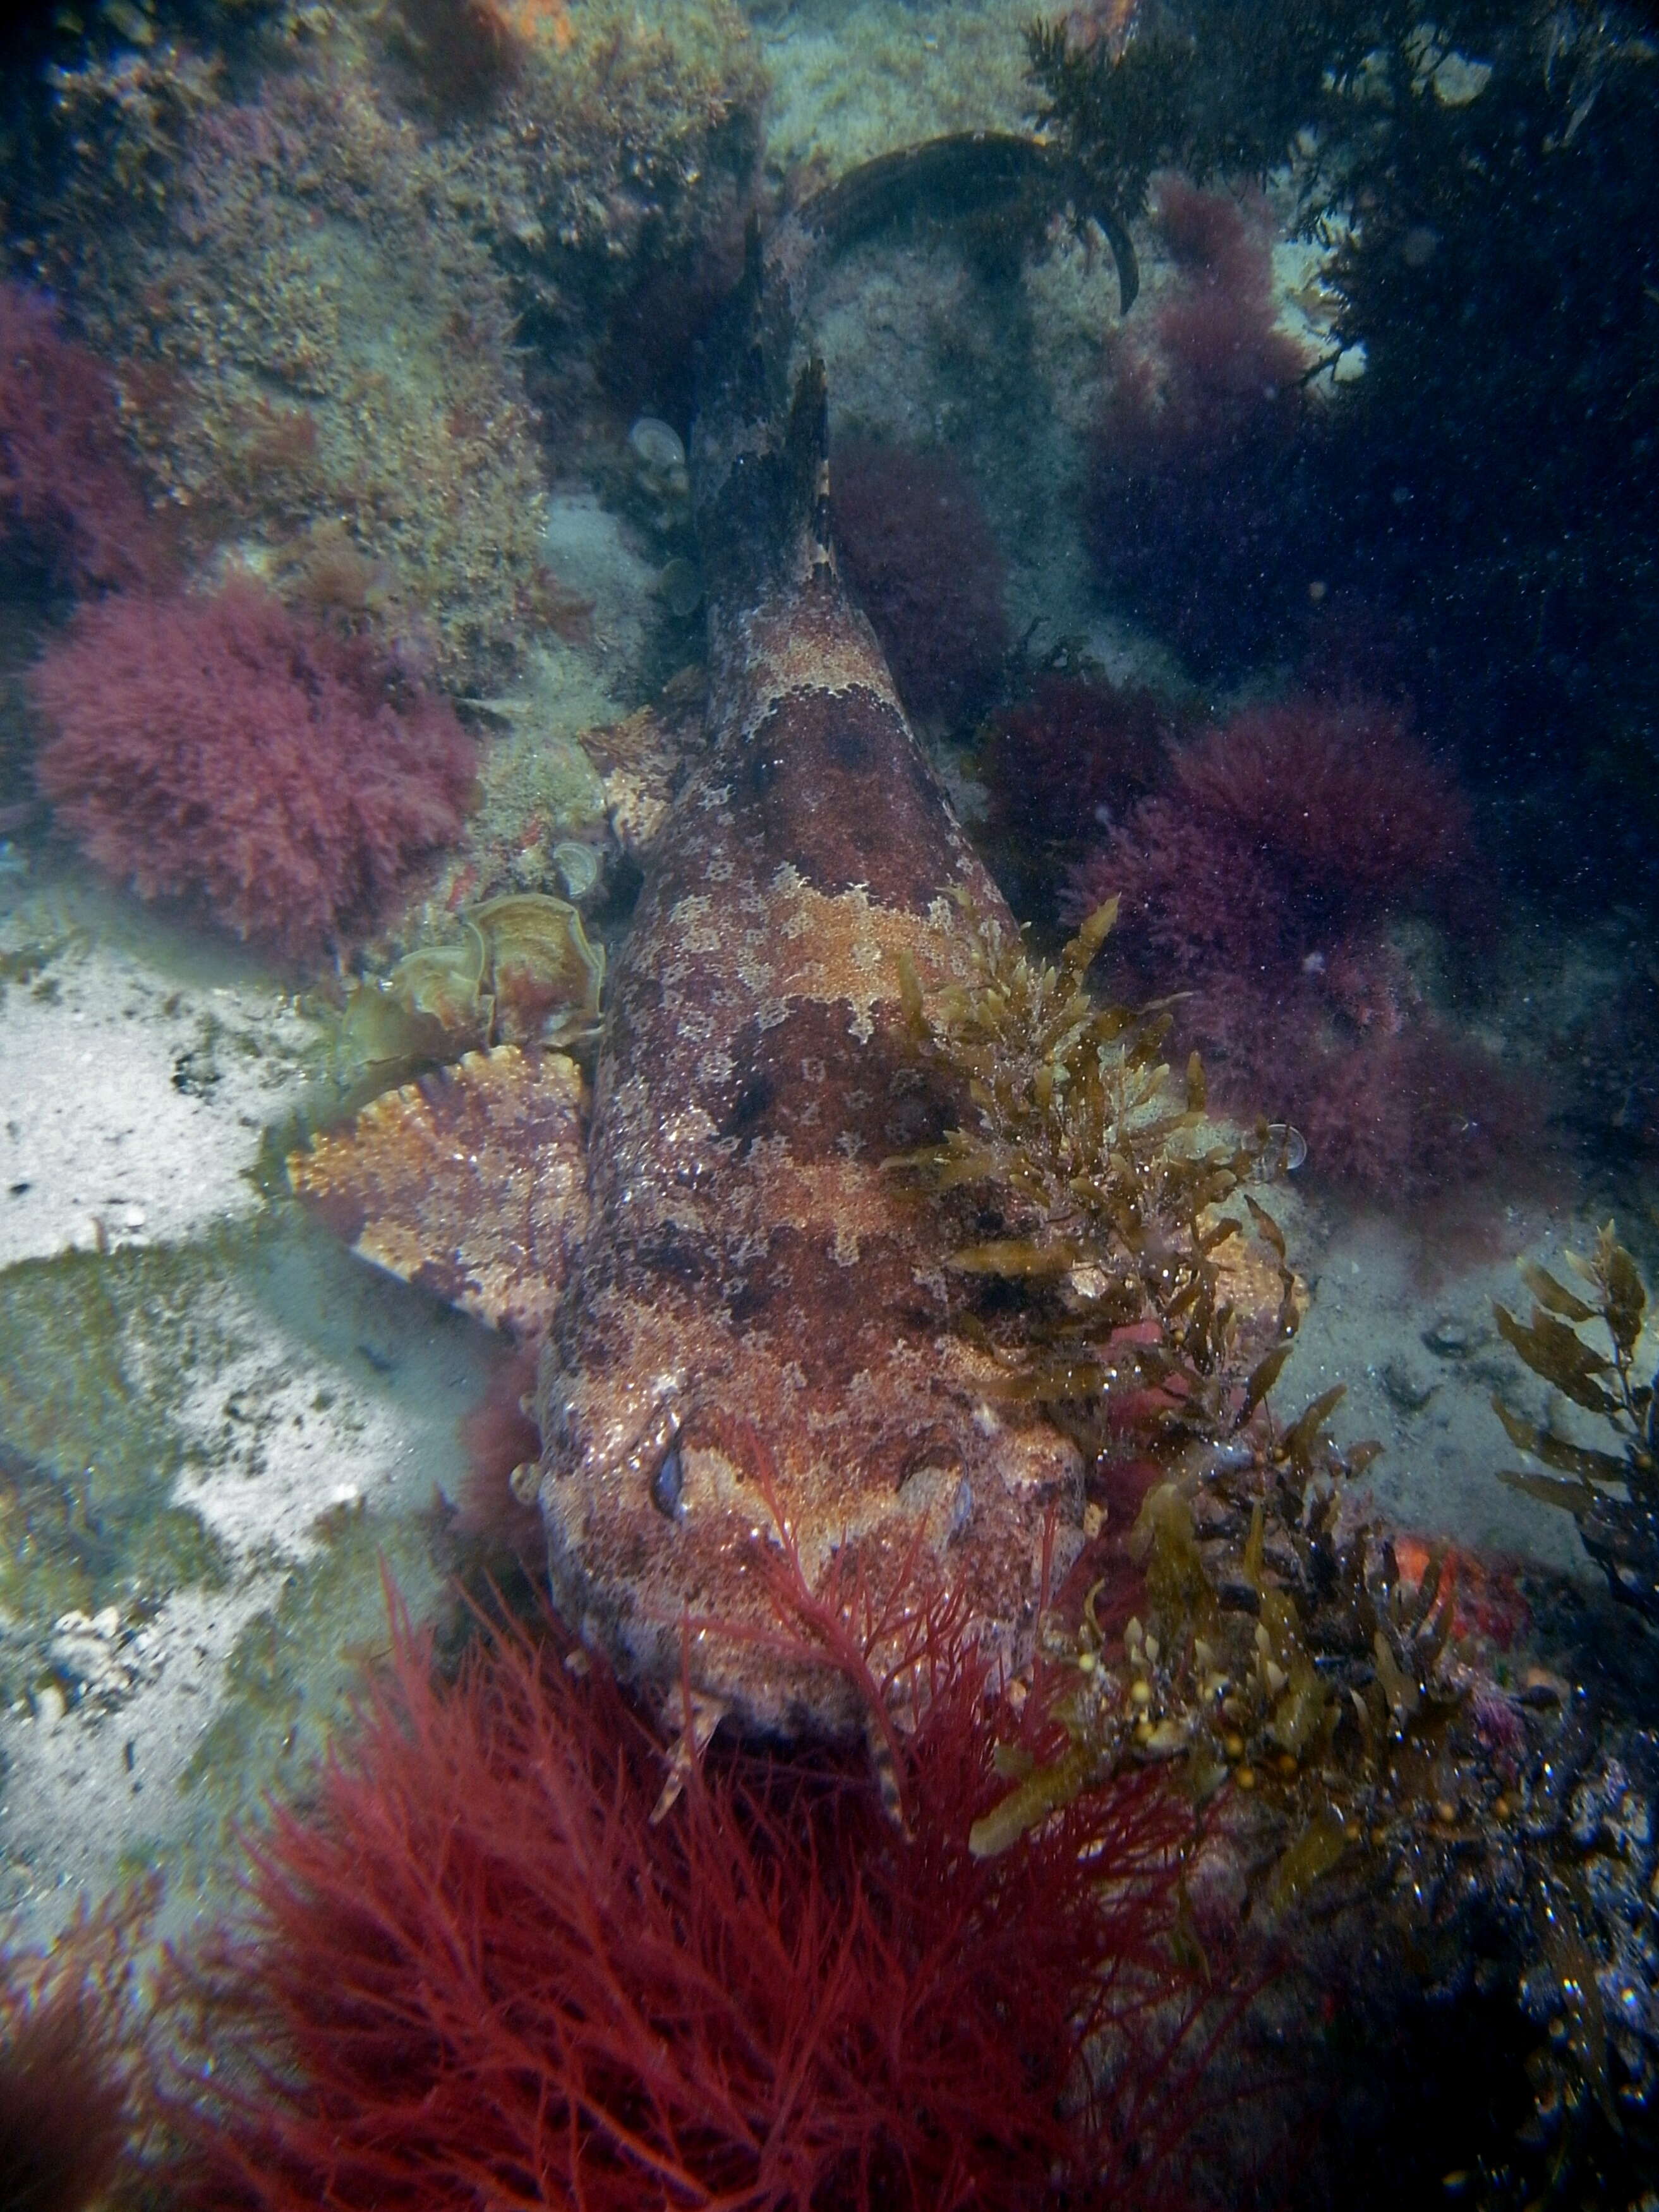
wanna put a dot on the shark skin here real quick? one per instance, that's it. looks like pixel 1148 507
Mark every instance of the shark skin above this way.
pixel 757 1334
pixel 749 1372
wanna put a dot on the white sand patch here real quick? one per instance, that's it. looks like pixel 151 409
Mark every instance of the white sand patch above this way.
pixel 301 1407
pixel 340 1400
pixel 131 1106
pixel 1422 1364
pixel 282 1449
pixel 88 1783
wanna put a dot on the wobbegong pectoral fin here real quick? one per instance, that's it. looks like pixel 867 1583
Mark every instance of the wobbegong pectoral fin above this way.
pixel 468 1183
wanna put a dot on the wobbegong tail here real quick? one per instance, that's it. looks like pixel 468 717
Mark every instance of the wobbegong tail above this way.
pixel 758 437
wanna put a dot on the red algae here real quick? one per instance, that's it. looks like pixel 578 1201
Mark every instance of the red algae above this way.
pixel 1064 763
pixel 66 489
pixel 67 2058
pixel 1264 881
pixel 1340 794
pixel 1284 828
pixel 478 1971
pixel 1192 496
pixel 222 748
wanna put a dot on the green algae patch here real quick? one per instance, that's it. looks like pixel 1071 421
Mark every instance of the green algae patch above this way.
pixel 98 1353
pixel 290 1678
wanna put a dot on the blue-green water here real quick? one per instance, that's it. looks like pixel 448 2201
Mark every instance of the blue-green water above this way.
pixel 1257 511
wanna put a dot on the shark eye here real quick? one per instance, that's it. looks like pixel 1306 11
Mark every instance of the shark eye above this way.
pixel 668 1481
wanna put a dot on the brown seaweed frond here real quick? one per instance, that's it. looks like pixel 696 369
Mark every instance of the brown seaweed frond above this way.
pixel 1614 1495
pixel 1284 1664
pixel 1101 1179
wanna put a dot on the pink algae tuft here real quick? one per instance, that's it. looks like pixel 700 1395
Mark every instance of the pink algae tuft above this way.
pixel 1066 760
pixel 1281 831
pixel 219 748
pixel 67 490
pixel 1264 881
pixel 1192 503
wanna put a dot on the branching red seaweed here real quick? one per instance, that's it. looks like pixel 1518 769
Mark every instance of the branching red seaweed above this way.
pixel 66 485
pixel 477 1971
pixel 1194 499
pixel 1265 881
pixel 68 2061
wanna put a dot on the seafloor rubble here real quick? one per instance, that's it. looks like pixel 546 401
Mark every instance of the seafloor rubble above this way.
pixel 325 331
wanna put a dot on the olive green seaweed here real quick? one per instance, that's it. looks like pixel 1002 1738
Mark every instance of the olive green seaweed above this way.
pixel 1104 1176
pixel 1283 1650
pixel 1612 1495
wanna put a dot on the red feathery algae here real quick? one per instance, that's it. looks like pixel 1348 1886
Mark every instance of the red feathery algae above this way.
pixel 69 2058
pixel 223 748
pixel 479 1970
pixel 66 487
pixel 1064 763
pixel 1192 498
pixel 1340 794
pixel 1263 881
pixel 1285 828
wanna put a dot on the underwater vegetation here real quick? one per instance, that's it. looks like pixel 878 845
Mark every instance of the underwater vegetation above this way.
pixel 316 282
pixel 478 1966
pixel 1318 816
pixel 1501 283
pixel 1267 880
pixel 68 2064
pixel 919 552
pixel 1099 1182
pixel 69 498
pixel 1258 1741
pixel 1613 1496
pixel 1183 91
pixel 221 749
pixel 1482 174
pixel 1062 765
pixel 471 1962
pixel 1344 1704
pixel 1195 494
pixel 1429 1113
pixel 238 252
pixel 1380 1776
pixel 1133 1332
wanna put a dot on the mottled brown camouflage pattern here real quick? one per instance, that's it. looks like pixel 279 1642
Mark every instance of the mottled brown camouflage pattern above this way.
pixel 755 1291
pixel 468 1183
pixel 752 1340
